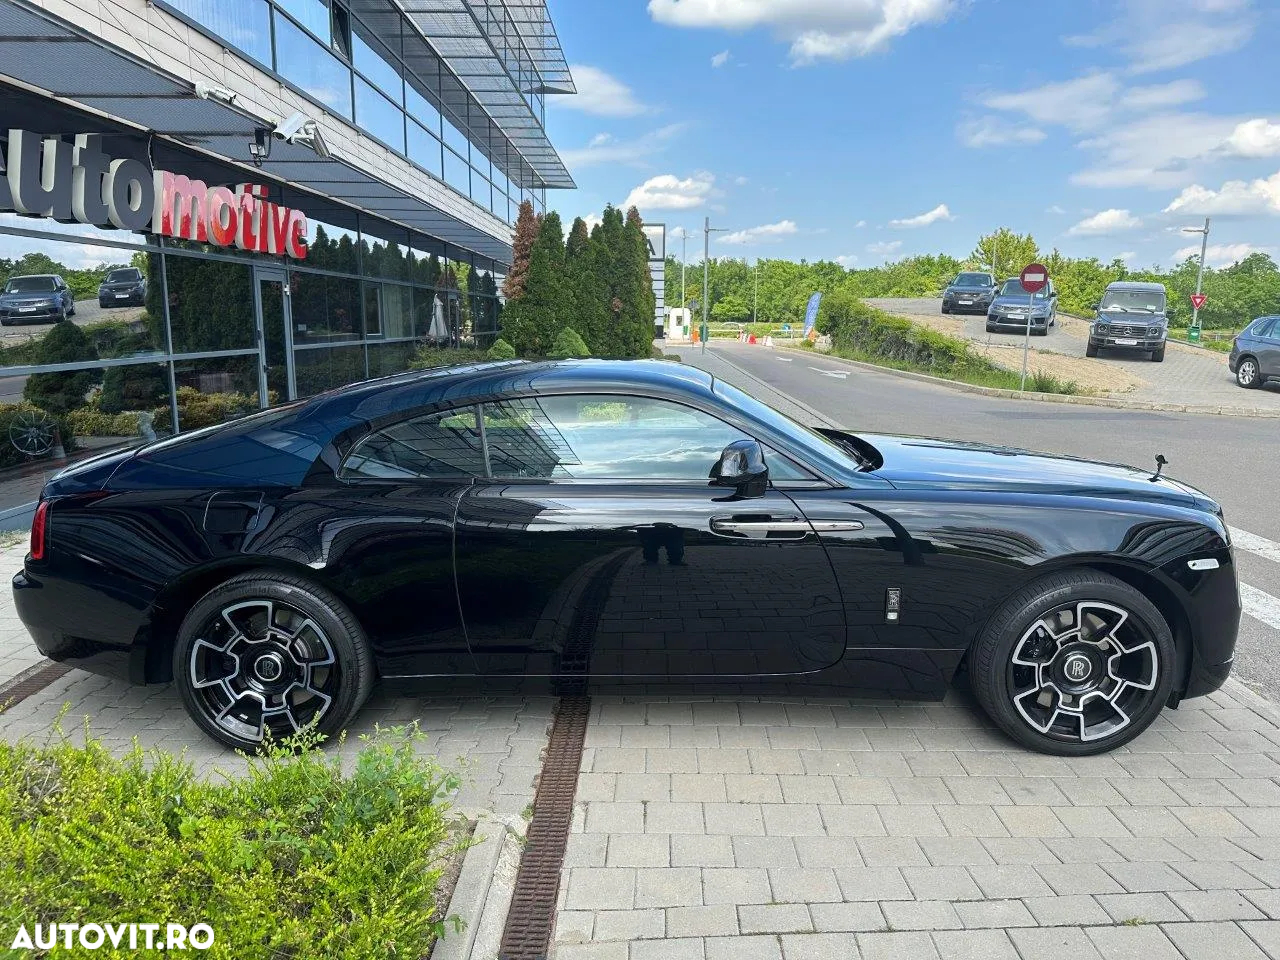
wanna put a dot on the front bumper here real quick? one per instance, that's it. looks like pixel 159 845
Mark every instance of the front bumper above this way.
pixel 1132 343
pixel 976 305
pixel 1017 323
pixel 121 298
pixel 11 315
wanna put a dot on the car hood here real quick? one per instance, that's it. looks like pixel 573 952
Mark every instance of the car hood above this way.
pixel 1018 300
pixel 957 465
pixel 1143 319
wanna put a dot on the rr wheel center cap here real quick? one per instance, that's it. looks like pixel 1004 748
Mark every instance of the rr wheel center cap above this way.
pixel 269 667
pixel 1079 668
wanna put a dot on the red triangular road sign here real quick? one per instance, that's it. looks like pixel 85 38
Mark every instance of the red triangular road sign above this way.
pixel 1198 300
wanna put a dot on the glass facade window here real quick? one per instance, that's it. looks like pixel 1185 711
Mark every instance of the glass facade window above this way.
pixel 453 137
pixel 421 109
pixel 376 68
pixel 313 68
pixel 379 116
pixel 397 311
pixel 456 173
pixel 388 254
pixel 320 369
pixel 312 14
pixel 244 23
pixel 324 309
pixel 424 150
pixel 211 304
pixel 215 390
pixel 332 247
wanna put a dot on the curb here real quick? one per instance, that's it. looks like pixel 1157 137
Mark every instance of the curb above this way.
pixel 481 895
pixel 1050 397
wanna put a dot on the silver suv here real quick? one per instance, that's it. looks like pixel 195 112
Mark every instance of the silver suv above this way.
pixel 1255 353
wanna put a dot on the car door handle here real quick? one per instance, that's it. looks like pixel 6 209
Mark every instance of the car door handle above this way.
pixel 762 528
pixel 835 526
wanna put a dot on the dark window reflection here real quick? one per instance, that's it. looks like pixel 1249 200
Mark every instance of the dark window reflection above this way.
pixel 445 444
pixel 332 247
pixel 210 304
pixel 388 358
pixel 320 369
pixel 324 308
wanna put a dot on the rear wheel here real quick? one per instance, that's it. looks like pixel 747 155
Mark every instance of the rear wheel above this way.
pixel 268 654
pixel 1247 373
pixel 1074 664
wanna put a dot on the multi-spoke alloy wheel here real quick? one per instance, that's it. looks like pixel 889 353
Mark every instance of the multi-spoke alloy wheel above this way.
pixel 1075 663
pixel 268 655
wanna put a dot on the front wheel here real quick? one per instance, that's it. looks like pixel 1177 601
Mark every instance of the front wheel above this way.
pixel 1157 355
pixel 1247 373
pixel 268 654
pixel 1090 350
pixel 1074 664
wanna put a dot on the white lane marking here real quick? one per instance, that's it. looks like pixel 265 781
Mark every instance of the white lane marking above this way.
pixel 785 359
pixel 1255 544
pixel 839 375
pixel 1259 605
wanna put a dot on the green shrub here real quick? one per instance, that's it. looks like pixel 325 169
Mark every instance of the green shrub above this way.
pixel 62 390
pixel 196 409
pixel 88 422
pixel 429 357
pixel 295 859
pixel 501 350
pixel 568 345
pixel 1042 382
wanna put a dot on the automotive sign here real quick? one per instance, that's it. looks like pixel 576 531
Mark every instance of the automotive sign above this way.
pixel 48 177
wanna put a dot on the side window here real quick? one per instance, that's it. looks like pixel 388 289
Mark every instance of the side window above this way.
pixel 439 445
pixel 1267 328
pixel 609 437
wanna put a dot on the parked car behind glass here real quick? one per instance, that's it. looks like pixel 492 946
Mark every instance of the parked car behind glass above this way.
pixel 1255 353
pixel 123 287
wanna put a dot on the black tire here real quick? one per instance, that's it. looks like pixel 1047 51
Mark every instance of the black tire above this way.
pixel 71 310
pixel 1248 374
pixel 102 304
pixel 1041 333
pixel 338 665
pixel 1157 356
pixel 945 310
pixel 990 328
pixel 1144 656
pixel 1090 350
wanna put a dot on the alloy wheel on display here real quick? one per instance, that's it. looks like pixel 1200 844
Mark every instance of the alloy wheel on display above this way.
pixel 1083 671
pixel 261 666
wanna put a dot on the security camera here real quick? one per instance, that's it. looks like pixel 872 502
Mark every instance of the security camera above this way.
pixel 303 130
pixel 206 91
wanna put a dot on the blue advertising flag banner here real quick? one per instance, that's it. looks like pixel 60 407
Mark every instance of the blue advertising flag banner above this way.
pixel 811 314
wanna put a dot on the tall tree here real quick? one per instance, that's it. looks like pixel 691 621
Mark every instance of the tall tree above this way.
pixel 635 289
pixel 1004 252
pixel 527 228
pixel 531 322
pixel 586 295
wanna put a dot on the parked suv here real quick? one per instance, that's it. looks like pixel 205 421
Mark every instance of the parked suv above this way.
pixel 1130 316
pixel 123 287
pixel 969 293
pixel 1255 353
pixel 39 298
pixel 1009 310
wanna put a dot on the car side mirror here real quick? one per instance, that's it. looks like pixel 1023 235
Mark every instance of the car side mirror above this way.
pixel 741 466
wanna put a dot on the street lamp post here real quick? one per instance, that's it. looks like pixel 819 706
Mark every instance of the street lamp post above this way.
pixel 707 231
pixel 1204 249
pixel 684 260
pixel 755 306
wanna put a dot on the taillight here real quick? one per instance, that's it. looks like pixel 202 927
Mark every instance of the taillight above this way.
pixel 39 530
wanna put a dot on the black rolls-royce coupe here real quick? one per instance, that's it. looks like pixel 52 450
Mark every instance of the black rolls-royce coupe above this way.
pixel 619 525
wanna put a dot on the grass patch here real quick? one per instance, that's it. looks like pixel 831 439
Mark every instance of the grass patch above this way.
pixel 294 859
pixel 1218 340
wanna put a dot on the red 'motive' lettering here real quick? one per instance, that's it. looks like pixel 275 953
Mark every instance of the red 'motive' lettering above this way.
pixel 224 216
pixel 297 235
pixel 181 209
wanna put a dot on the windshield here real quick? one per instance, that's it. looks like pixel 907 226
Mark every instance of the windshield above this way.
pixel 1014 288
pixel 1133 301
pixel 124 276
pixel 785 425
pixel 973 280
pixel 30 285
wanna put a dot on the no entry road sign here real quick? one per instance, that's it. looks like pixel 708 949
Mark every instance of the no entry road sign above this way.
pixel 1034 276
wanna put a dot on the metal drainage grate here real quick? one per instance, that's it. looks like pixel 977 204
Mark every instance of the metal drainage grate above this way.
pixel 31 681
pixel 527 935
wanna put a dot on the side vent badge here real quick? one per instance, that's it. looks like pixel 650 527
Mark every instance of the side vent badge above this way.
pixel 1206 563
pixel 892 604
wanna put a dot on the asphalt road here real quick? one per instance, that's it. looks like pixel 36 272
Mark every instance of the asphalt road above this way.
pixel 1236 460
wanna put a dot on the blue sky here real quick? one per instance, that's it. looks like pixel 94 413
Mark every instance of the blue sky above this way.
pixel 868 130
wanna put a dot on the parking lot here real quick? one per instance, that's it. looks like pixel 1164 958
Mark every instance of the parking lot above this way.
pixel 1188 375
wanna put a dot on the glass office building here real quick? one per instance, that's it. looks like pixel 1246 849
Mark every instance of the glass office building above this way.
pixel 169 262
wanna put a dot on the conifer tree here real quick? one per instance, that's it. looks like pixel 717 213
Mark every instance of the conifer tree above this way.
pixel 531 322
pixel 527 227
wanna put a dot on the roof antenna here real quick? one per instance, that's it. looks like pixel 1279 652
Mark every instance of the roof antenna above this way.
pixel 1161 462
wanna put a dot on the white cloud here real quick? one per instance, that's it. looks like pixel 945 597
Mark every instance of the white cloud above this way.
pixel 1127 256
pixel 604 148
pixel 885 248
pixel 1157 35
pixel 1159 151
pixel 1254 139
pixel 1081 104
pixel 1233 198
pixel 720 59
pixel 765 233
pixel 669 192
pixel 860 224
pixel 994 132
pixel 601 94
pixel 940 212
pixel 815 29
pixel 1106 222
pixel 1055 209
pixel 741 181
pixel 1219 254
pixel 592 220
pixel 1163 95
pixel 848 261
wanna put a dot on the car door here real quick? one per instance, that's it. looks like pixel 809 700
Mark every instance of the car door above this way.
pixel 1268 341
pixel 388 537
pixel 598 546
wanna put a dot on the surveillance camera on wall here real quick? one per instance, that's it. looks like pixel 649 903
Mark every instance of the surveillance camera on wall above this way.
pixel 207 91
pixel 303 130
